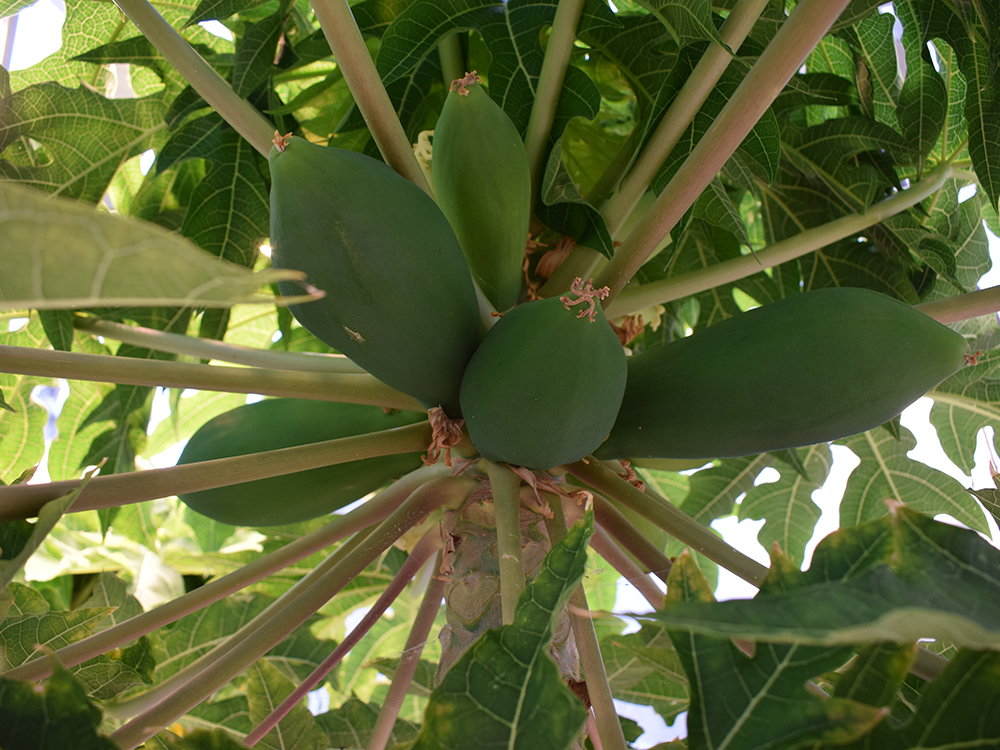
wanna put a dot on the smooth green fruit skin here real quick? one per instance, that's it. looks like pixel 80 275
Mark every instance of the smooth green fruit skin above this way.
pixel 483 184
pixel 399 297
pixel 283 423
pixel 808 369
pixel 544 387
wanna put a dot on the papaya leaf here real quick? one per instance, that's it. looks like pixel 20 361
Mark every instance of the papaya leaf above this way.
pixel 713 491
pixel 899 578
pixel 511 32
pixel 298 730
pixel 687 22
pixel 10 7
pixel 643 668
pixel 255 51
pixel 58 325
pixel 48 517
pixel 886 472
pixel 229 213
pixel 218 10
pixel 567 211
pixel 84 137
pixel 876 673
pixel 505 691
pixel 878 81
pixel 965 403
pixel 85 257
pixel 990 500
pixel 352 723
pixel 199 739
pixel 742 702
pixel 54 715
pixel 642 51
pixel 786 506
pixel 939 18
pixel 957 709
pixel 22 420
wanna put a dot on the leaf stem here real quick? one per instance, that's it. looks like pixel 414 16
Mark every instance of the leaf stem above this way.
pixel 239 113
pixel 24 500
pixel 608 726
pixel 371 512
pixel 177 343
pixel 341 30
pixel 681 112
pixel 605 546
pixel 323 386
pixel 633 300
pixel 448 490
pixel 408 661
pixel 669 518
pixel 796 38
pixel 428 545
pixel 963 306
pixel 615 523
pixel 550 80
pixel 505 485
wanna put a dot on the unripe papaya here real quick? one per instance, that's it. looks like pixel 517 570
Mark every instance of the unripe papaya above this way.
pixel 283 423
pixel 483 185
pixel 399 297
pixel 813 367
pixel 545 385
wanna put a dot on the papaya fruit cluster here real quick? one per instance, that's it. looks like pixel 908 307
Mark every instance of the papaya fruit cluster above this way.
pixel 549 383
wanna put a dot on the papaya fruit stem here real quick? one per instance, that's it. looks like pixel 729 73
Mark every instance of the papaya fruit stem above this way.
pixel 409 660
pixel 291 615
pixel 371 512
pixel 681 112
pixel 355 62
pixel 235 110
pixel 805 27
pixel 586 294
pixel 558 49
pixel 25 500
pixel 101 368
pixel 429 544
pixel 505 486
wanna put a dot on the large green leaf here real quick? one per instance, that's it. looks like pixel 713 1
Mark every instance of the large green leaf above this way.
pixel 789 513
pixel 899 578
pixel 57 253
pixel 53 716
pixel 886 472
pixel 741 702
pixel 298 730
pixel 505 691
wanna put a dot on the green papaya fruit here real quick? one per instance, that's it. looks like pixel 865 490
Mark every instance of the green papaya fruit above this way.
pixel 399 297
pixel 813 367
pixel 283 423
pixel 545 385
pixel 483 185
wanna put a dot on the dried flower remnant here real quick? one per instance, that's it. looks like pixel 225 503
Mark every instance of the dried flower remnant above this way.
pixel 585 294
pixel 445 434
